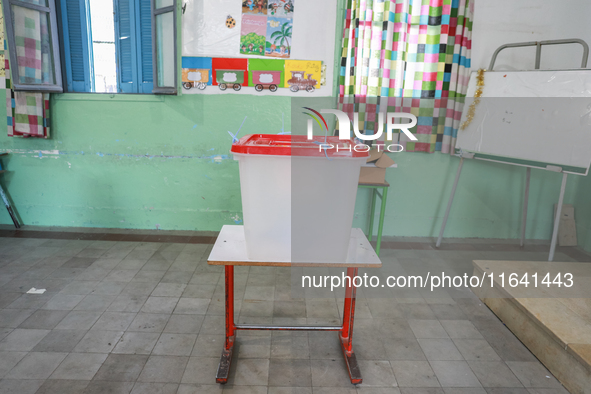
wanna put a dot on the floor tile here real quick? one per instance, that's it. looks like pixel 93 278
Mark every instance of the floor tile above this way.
pixel 201 370
pixel 79 366
pixel 160 305
pixel 414 374
pixel 169 290
pixel 290 346
pixel 44 319
pixel 476 349
pixel 377 374
pixel 440 349
pixel 431 329
pixel 403 349
pixel 250 372
pixel 461 329
pixel 155 388
pixel 330 373
pixel 163 369
pixel 289 373
pixel 494 374
pixel 96 341
pixel 136 343
pixel 114 321
pixel 60 341
pixel 78 320
pixel 149 322
pixel 174 344
pixel 184 324
pixel 8 360
pixel 12 386
pixel 63 387
pixel 192 306
pixel 121 367
pixel 36 366
pixel 102 387
pixel 454 374
pixel 22 340
pixel 533 374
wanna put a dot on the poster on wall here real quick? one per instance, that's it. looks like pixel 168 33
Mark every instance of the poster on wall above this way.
pixel 253 35
pixel 281 8
pixel 266 28
pixel 279 32
pixel 256 7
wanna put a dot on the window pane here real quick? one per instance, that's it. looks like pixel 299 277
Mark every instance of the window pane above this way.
pixel 163 3
pixel 33 46
pixel 103 46
pixel 37 2
pixel 165 49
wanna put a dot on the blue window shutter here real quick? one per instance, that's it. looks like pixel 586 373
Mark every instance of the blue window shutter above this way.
pixel 77 45
pixel 126 46
pixel 144 34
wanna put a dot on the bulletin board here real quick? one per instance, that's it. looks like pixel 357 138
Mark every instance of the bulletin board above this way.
pixel 212 29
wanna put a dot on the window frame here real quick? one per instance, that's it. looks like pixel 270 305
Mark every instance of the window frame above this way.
pixel 171 90
pixel 51 11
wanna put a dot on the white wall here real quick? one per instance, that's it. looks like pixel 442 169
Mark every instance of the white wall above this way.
pixel 498 22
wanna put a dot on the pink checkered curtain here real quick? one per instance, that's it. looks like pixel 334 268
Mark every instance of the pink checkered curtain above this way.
pixel 28 112
pixel 410 56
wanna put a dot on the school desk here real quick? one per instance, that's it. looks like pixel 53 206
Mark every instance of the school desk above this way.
pixel 230 250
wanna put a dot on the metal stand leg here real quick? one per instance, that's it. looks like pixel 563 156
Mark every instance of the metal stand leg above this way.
pixel 557 218
pixel 346 334
pixel 226 359
pixel 451 200
pixel 372 213
pixel 525 201
pixel 9 208
pixel 382 214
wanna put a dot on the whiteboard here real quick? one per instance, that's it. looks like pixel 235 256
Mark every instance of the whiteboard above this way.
pixel 314 35
pixel 532 118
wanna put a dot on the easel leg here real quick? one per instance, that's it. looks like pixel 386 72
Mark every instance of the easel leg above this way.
pixel 451 200
pixel 346 334
pixel 371 214
pixel 525 202
pixel 381 223
pixel 226 359
pixel 557 218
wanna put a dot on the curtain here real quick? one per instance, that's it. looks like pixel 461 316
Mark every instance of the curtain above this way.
pixel 409 56
pixel 28 112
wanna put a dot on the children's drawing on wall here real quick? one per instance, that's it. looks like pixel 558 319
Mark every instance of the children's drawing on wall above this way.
pixel 281 8
pixel 279 31
pixel 252 40
pixel 257 7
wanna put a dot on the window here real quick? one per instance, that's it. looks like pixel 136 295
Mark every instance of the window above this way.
pixel 31 32
pixel 107 46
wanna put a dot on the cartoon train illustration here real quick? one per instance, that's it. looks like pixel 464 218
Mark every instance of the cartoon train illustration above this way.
pixel 298 81
pixel 195 77
pixel 266 80
pixel 232 78
pixel 235 79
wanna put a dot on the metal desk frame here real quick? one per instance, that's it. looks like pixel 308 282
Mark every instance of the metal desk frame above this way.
pixel 383 198
pixel 345 331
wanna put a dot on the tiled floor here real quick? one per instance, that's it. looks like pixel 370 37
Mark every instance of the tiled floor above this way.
pixel 147 317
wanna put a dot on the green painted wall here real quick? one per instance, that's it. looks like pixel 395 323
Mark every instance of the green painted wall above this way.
pixel 163 162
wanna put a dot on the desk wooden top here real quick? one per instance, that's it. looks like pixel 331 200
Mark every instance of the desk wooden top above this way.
pixel 230 249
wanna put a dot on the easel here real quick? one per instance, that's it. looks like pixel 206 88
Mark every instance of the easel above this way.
pixel 5 199
pixel 464 155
